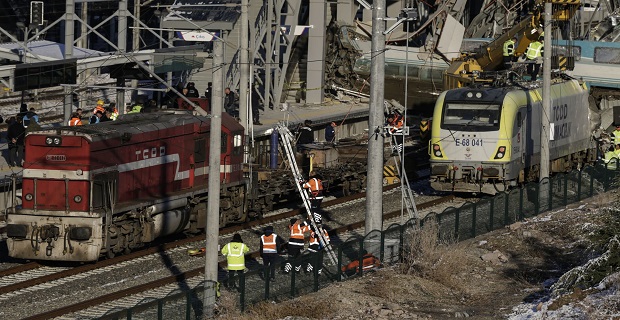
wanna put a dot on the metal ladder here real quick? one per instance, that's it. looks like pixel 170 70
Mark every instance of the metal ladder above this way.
pixel 287 139
pixel 407 193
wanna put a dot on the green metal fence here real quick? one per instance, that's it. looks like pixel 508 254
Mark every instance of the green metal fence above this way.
pixel 467 221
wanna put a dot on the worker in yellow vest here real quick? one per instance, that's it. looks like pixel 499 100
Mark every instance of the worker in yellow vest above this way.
pixel 533 54
pixel 235 252
pixel 508 52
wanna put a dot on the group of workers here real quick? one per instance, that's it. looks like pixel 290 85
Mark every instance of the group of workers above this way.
pixel 102 113
pixel 272 245
pixel 532 55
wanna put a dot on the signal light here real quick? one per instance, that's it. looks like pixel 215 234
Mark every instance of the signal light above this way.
pixel 437 151
pixel 501 152
pixel 53 141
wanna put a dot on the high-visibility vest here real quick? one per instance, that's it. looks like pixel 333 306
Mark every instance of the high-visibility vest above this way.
pixel 509 48
pixel 100 108
pixel 534 50
pixel 297 231
pixel 235 255
pixel 397 124
pixel 75 122
pixel 616 134
pixel 315 244
pixel 269 243
pixel 114 114
pixel 315 186
pixel 611 159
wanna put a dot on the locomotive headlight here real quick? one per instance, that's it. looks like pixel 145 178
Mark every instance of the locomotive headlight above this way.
pixel 437 150
pixel 470 95
pixel 53 141
pixel 501 151
pixel 478 95
pixel 77 199
pixel 28 196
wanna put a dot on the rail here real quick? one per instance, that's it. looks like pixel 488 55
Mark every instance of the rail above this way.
pixel 464 222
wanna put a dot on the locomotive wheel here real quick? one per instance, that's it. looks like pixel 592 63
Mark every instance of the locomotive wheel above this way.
pixel 110 254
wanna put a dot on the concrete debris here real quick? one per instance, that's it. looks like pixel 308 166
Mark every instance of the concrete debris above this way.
pixel 515 226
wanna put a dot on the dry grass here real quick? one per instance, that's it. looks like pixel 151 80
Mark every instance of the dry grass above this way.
pixel 228 308
pixel 432 258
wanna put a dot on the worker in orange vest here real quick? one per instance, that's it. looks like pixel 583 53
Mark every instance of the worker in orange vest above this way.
pixel 296 244
pixel 270 244
pixel 75 120
pixel 395 128
pixel 314 185
pixel 314 246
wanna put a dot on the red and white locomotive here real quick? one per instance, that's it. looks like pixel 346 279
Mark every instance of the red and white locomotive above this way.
pixel 104 189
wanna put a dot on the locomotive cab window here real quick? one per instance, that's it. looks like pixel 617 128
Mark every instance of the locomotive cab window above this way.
pixel 471 117
pixel 237 144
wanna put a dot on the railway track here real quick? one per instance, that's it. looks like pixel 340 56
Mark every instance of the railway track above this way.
pixel 34 274
pixel 190 279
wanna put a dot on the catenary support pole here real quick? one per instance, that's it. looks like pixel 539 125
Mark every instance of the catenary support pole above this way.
pixel 136 36
pixel 545 117
pixel 213 203
pixel 244 68
pixel 122 48
pixel 374 189
pixel 69 35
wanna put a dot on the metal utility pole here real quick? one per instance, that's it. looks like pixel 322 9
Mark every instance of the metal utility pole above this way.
pixel 374 189
pixel 136 34
pixel 69 36
pixel 545 130
pixel 213 203
pixel 122 48
pixel 244 68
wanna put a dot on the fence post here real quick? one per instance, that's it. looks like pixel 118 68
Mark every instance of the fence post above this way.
pixel 382 244
pixel 401 242
pixel 267 275
pixel 506 198
pixel 293 273
pixel 579 185
pixel 242 289
pixel 361 258
pixel 491 211
pixel 565 189
pixel 129 313
pixel 160 309
pixel 473 220
pixel 457 215
pixel 550 195
pixel 521 214
pixel 339 272
pixel 537 203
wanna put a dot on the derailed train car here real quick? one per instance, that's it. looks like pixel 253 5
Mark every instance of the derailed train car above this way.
pixel 100 190
pixel 114 186
pixel 487 139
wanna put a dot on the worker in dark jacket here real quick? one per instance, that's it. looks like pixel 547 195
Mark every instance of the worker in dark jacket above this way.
pixel 15 135
pixel 330 132
pixel 304 133
pixel 270 245
pixel 191 91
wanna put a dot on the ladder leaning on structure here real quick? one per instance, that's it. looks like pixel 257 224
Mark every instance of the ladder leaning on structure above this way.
pixel 407 193
pixel 287 143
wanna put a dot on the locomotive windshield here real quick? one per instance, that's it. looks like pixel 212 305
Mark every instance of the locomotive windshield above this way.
pixel 470 117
